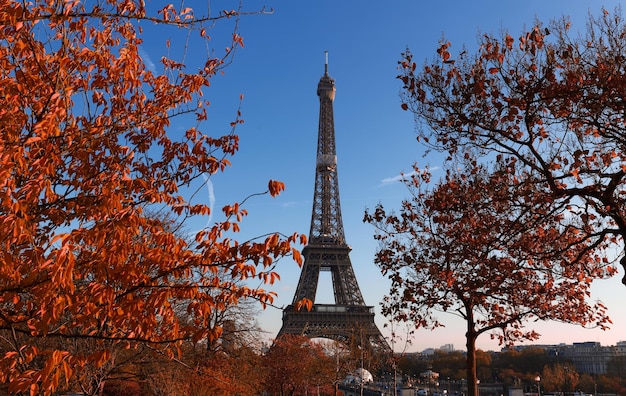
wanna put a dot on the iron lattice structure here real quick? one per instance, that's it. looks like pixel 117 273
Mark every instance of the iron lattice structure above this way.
pixel 349 320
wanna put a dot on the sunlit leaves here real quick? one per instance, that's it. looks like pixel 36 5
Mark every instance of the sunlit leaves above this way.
pixel 304 303
pixel 275 187
pixel 96 156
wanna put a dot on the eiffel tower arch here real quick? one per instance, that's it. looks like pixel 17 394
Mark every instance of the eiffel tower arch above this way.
pixel 349 319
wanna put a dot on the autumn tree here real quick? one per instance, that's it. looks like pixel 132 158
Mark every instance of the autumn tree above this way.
pixel 490 247
pixel 232 364
pixel 238 322
pixel 616 366
pixel 94 138
pixel 560 377
pixel 528 360
pixel 218 365
pixel 228 364
pixel 608 384
pixel 588 383
pixel 448 364
pixel 295 364
pixel 233 370
pixel 412 365
pixel 552 98
pixel 343 357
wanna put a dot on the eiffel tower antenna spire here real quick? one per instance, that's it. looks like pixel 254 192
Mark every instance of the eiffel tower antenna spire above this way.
pixel 348 319
pixel 326 66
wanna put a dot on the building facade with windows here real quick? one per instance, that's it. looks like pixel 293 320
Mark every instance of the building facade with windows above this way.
pixel 591 357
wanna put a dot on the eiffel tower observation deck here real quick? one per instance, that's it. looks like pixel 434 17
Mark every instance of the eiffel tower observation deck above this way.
pixel 349 319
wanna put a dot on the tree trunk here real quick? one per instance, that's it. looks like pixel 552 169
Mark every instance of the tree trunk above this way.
pixel 470 336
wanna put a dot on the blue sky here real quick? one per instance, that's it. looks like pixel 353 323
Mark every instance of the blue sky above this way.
pixel 277 72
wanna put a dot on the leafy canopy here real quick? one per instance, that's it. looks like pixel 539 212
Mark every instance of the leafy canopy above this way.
pixel 492 247
pixel 87 152
pixel 551 98
pixel 489 247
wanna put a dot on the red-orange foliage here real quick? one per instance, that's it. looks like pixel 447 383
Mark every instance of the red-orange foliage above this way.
pixel 85 154
pixel 491 248
pixel 295 364
pixel 551 98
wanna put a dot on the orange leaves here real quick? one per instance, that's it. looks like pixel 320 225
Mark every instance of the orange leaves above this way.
pixel 275 187
pixel 444 53
pixel 297 257
pixel 168 12
pixel 92 184
pixel 64 263
pixel 575 172
pixel 55 368
pixel 305 303
pixel 533 41
pixel 269 277
pixel 238 39
pixel 555 166
pixel 234 210
pixel 508 42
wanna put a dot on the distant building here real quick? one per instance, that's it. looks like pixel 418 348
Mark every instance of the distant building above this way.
pixel 447 348
pixel 444 348
pixel 588 357
pixel 591 357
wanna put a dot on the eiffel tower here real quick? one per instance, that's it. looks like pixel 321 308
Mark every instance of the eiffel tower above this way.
pixel 348 319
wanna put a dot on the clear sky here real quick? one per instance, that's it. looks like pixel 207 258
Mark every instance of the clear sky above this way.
pixel 278 71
